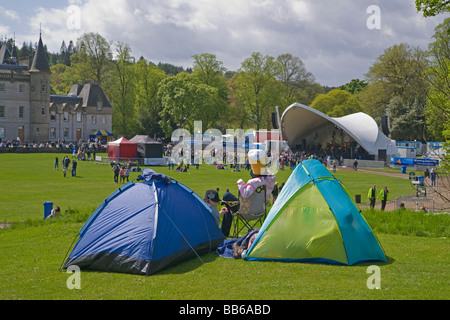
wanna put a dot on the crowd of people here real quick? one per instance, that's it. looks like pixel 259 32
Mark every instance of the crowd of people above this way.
pixel 93 145
pixel 85 151
pixel 121 172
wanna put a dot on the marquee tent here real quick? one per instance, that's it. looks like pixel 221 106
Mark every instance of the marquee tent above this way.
pixel 122 150
pixel 148 147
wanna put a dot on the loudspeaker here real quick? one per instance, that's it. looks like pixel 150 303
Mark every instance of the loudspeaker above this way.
pixel 275 123
pixel 385 125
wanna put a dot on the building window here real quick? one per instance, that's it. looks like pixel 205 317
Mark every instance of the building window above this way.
pixel 21 112
pixel 21 88
pixel 93 119
pixel 66 116
pixel 66 133
pixel 37 132
pixel 43 111
pixel 103 120
pixel 2 87
pixel 52 115
pixel 2 133
pixel 99 105
pixel 52 133
pixel 2 111
pixel 78 116
pixel 44 88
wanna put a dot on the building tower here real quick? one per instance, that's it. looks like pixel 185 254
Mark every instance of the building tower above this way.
pixel 39 95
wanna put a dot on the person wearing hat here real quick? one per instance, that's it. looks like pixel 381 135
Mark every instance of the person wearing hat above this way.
pixel 212 199
pixel 260 175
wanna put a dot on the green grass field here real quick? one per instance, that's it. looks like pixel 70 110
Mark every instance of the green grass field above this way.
pixel 32 250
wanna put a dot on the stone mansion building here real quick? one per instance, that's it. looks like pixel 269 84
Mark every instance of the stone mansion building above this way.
pixel 29 113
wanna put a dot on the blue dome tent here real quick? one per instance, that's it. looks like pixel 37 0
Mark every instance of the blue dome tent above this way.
pixel 144 227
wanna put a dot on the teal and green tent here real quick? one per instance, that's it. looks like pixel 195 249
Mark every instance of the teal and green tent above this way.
pixel 315 220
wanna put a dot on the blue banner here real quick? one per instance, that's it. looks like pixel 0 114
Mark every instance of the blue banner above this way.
pixel 402 161
pixel 412 162
pixel 426 162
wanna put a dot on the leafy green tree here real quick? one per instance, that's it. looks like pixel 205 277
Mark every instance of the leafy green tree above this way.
pixel 210 72
pixel 185 100
pixel 431 8
pixel 407 119
pixel 354 86
pixel 256 89
pixel 438 78
pixel 398 72
pixel 92 60
pixel 336 103
pixel 147 79
pixel 58 80
pixel 298 82
pixel 122 92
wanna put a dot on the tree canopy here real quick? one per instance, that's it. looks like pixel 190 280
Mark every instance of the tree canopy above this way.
pixel 431 8
pixel 154 99
pixel 336 103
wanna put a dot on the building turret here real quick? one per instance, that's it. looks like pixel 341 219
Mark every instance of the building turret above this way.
pixel 39 95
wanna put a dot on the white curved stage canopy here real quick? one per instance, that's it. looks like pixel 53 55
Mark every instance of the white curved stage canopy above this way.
pixel 302 125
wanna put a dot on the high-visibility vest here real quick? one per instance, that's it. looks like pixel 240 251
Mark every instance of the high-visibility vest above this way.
pixel 382 195
pixel 371 193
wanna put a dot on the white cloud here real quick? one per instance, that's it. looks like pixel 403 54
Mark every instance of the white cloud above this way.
pixel 8 14
pixel 327 35
pixel 4 30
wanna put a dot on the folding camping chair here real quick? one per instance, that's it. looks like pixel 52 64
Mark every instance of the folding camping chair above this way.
pixel 252 210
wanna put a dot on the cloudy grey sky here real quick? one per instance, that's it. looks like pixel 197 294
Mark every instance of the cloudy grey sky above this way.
pixel 332 37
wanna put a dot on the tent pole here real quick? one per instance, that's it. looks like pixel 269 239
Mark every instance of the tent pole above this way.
pixel 181 234
pixel 60 267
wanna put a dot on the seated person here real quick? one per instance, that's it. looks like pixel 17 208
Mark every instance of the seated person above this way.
pixel 212 199
pixel 260 176
pixel 54 213
pixel 240 249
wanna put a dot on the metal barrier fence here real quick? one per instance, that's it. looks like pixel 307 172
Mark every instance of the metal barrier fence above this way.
pixel 415 203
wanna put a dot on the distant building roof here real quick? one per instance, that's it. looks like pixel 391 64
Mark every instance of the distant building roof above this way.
pixel 40 61
pixel 87 95
pixel 91 93
pixel 59 99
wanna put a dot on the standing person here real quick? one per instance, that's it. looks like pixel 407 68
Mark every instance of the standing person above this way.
pixel 116 170
pixel 66 162
pixel 74 168
pixel 355 165
pixel 127 173
pixel 433 177
pixel 56 163
pixel 372 195
pixel 275 193
pixel 64 166
pixel 384 197
pixel 122 174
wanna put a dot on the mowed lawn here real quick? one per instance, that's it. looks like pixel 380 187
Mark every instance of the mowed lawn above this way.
pixel 31 253
pixel 29 180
